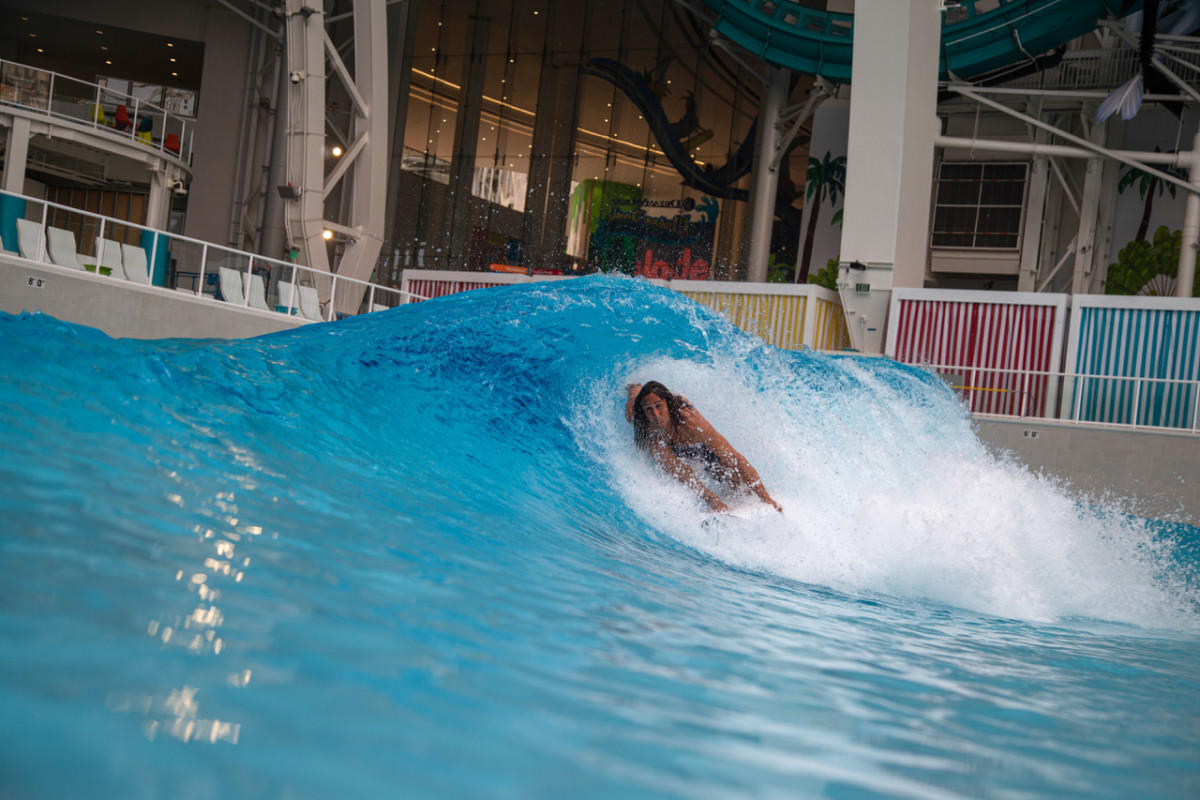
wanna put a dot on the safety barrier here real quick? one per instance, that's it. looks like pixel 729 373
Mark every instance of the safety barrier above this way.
pixel 781 314
pixel 98 107
pixel 1141 356
pixel 1127 361
pixel 123 250
pixel 1008 342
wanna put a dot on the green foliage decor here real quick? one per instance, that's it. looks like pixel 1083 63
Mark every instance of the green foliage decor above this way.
pixel 1148 268
pixel 827 275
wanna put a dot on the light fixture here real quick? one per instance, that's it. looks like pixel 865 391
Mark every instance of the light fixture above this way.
pixel 337 151
pixel 327 234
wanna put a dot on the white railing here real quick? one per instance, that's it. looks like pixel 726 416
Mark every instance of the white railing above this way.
pixel 99 107
pixel 1113 400
pixel 198 264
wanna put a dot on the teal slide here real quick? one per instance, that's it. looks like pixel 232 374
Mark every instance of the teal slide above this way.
pixel 785 34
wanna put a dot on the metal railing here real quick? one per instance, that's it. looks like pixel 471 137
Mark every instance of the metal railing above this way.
pixel 173 259
pixel 96 106
pixel 1171 404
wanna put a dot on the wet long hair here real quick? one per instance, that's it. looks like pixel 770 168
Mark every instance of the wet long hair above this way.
pixel 642 431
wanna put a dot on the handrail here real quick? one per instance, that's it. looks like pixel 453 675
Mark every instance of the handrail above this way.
pixel 42 90
pixel 1074 386
pixel 241 260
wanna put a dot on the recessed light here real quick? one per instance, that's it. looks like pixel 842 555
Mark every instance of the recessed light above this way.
pixel 172 61
pixel 100 32
pixel 170 44
pixel 174 74
pixel 108 62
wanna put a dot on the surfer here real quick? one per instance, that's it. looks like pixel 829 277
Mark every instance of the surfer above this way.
pixel 666 426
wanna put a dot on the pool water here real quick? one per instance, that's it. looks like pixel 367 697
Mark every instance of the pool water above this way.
pixel 414 554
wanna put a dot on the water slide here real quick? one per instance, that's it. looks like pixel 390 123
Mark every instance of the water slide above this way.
pixel 978 35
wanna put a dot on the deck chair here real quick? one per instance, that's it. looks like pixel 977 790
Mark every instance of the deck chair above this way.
pixel 258 293
pixel 60 245
pixel 310 303
pixel 109 253
pixel 135 263
pixel 288 296
pixel 29 239
pixel 231 285
pixel 121 121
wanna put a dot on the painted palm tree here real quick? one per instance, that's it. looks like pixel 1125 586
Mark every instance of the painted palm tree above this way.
pixel 1148 186
pixel 826 178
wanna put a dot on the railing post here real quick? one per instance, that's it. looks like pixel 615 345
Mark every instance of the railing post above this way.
pixel 1078 398
pixel 246 282
pixel 50 96
pixel 1196 408
pixel 1137 391
pixel 41 248
pixel 99 245
pixel 332 295
pixel 1024 393
pixel 154 261
pixel 203 264
pixel 96 108
pixel 294 299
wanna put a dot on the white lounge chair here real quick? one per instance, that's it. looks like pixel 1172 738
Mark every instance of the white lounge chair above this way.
pixel 258 293
pixel 231 286
pixel 109 253
pixel 310 303
pixel 289 297
pixel 135 264
pixel 60 245
pixel 30 240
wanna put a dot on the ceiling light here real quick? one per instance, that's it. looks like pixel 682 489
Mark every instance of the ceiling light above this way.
pixel 327 234
pixel 337 151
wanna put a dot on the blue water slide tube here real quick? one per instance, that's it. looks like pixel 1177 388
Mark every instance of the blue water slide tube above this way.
pixel 785 34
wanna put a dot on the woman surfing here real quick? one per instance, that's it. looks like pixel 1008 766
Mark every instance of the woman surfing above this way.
pixel 666 426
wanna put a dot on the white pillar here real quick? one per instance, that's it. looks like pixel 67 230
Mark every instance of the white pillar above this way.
pixel 16 155
pixel 1186 277
pixel 889 159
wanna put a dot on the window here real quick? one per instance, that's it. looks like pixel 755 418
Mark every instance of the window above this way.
pixel 979 205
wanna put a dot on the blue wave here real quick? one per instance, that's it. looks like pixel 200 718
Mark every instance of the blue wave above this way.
pixel 422 538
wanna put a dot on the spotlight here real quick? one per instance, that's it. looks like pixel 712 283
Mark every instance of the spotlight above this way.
pixel 327 234
pixel 337 151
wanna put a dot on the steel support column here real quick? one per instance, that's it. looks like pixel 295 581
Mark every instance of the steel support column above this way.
pixel 766 174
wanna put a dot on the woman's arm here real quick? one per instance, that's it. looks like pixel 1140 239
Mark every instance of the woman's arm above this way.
pixel 633 389
pixel 684 474
pixel 741 471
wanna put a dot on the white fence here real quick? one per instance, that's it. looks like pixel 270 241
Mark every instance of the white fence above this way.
pixel 97 106
pixel 127 251
pixel 782 314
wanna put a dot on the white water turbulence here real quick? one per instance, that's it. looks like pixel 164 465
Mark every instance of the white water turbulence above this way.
pixel 887 491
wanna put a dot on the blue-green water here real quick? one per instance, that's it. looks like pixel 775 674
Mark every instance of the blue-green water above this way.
pixel 414 554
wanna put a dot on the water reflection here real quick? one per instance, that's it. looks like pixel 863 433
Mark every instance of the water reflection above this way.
pixel 178 713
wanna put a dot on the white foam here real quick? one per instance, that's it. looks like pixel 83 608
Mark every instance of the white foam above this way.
pixel 886 490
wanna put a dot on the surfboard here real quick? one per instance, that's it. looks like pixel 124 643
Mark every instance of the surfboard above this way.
pixel 742 513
